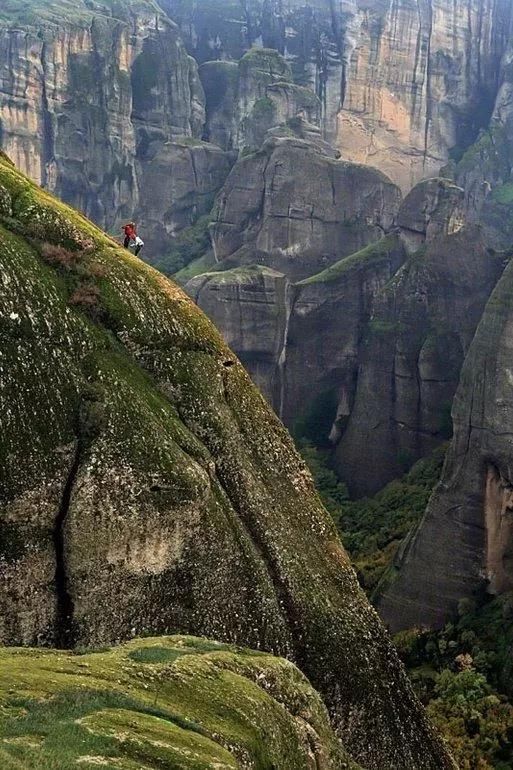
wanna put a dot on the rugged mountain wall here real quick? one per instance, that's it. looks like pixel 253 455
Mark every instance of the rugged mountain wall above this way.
pixel 176 702
pixel 402 85
pixel 94 104
pixel 269 214
pixel 465 539
pixel 147 486
pixel 375 341
pixel 416 340
pixel 245 100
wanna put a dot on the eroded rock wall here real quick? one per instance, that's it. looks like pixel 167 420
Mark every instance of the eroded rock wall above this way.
pixel 402 85
pixel 89 107
pixel 464 541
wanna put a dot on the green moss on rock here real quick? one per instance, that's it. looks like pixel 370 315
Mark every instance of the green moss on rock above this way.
pixel 173 701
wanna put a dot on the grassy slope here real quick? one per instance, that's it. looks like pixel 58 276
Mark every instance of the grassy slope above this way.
pixel 177 702
pixel 371 255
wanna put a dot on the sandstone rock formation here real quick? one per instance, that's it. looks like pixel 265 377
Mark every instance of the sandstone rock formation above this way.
pixel 147 486
pixel 376 340
pixel 402 86
pixel 89 101
pixel 244 101
pixel 420 330
pixel 465 538
pixel 269 214
pixel 176 702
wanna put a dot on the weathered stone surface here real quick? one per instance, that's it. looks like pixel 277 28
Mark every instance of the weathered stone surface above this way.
pixel 380 341
pixel 298 224
pixel 419 332
pixel 244 101
pixel 465 538
pixel 250 306
pixel 433 208
pixel 146 485
pixel 401 86
pixel 89 100
pixel 180 183
pixel 220 82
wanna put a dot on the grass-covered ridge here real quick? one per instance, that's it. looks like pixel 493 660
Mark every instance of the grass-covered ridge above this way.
pixel 370 256
pixel 179 702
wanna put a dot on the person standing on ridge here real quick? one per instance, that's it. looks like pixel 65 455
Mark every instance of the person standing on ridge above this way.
pixel 130 231
pixel 131 237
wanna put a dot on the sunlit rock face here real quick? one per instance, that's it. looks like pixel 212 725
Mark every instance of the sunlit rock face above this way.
pixel 90 102
pixel 403 86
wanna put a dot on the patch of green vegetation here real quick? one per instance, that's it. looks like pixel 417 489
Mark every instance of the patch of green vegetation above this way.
pixel 265 63
pixel 196 267
pixel 191 244
pixel 263 109
pixel 372 529
pixel 381 326
pixel 314 424
pixel 371 255
pixel 81 12
pixel 503 194
pixel 463 673
pixel 304 97
pixel 61 711
pixel 155 655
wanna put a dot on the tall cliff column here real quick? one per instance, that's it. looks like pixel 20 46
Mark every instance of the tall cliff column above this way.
pixel 89 98
pixel 465 540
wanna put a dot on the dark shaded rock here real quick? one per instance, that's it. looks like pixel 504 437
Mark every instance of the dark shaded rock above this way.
pixel 180 183
pixel 416 340
pixel 465 540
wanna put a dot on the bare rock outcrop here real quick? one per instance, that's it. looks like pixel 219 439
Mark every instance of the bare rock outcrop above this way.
pixel 465 538
pixel 90 97
pixel 298 224
pixel 403 86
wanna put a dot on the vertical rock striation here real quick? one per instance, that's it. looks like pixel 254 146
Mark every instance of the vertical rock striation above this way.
pixel 465 539
pixel 92 101
pixel 403 85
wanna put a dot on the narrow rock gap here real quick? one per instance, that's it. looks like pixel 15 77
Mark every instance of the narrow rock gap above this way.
pixel 64 631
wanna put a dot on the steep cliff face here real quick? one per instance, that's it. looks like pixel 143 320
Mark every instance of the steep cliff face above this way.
pixel 375 341
pixel 146 485
pixel 92 103
pixel 176 702
pixel 421 327
pixel 402 85
pixel 465 537
pixel 269 214
pixel 244 101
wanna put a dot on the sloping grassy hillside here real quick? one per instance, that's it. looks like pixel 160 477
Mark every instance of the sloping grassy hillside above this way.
pixel 175 702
